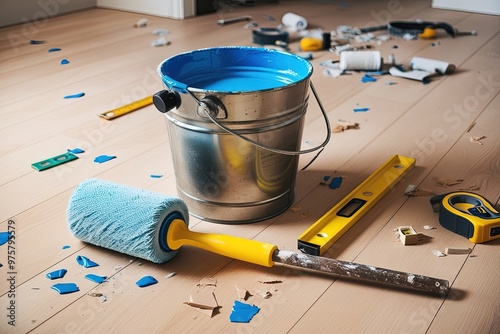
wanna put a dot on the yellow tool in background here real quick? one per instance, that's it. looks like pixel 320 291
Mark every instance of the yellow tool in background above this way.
pixel 114 113
pixel 329 228
pixel 469 215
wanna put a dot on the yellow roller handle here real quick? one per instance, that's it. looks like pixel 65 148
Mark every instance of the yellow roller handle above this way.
pixel 234 247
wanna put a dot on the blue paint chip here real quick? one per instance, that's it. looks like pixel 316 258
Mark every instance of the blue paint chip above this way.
pixel 146 281
pixel 64 288
pixel 95 278
pixel 64 61
pixel 336 182
pixel 56 274
pixel 36 41
pixel 104 158
pixel 54 49
pixel 156 176
pixel 361 109
pixel 76 150
pixel 4 237
pixel 243 312
pixel 74 96
pixel 85 262
pixel 66 247
pixel 368 78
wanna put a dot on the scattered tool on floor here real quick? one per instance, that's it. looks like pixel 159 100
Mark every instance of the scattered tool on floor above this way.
pixel 412 29
pixel 469 215
pixel 114 113
pixel 333 224
pixel 154 227
pixel 54 161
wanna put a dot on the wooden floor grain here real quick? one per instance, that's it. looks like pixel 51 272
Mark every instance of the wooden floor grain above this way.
pixel 113 64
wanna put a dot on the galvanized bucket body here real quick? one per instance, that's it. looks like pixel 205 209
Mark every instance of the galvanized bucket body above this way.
pixel 221 177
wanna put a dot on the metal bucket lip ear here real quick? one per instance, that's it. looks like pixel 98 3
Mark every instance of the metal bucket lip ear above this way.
pixel 165 225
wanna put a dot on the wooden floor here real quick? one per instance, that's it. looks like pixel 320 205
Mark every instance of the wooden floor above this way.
pixel 113 63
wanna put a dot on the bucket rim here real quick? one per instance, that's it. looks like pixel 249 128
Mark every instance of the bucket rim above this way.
pixel 181 87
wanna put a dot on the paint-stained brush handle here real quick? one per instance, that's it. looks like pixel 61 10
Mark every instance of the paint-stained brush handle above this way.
pixel 361 271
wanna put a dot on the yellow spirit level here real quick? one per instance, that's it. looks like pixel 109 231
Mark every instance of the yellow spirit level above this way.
pixel 468 215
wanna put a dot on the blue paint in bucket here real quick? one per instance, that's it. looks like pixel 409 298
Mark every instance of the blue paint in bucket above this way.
pixel 234 70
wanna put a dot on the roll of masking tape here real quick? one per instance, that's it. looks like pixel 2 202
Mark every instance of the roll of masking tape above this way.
pixel 269 36
pixel 360 60
pixel 294 22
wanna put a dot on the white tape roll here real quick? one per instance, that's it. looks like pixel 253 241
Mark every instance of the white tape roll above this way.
pixel 360 60
pixel 294 22
pixel 431 65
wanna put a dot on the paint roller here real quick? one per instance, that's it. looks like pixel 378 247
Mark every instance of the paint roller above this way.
pixel 153 226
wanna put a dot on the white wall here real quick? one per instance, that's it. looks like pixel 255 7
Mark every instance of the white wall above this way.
pixel 22 11
pixel 176 9
pixel 475 6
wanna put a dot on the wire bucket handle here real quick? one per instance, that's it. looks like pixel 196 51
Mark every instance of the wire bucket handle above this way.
pixel 211 107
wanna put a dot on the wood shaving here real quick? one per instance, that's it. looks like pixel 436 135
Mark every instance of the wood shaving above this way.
pixel 477 140
pixel 207 282
pixel 263 293
pixel 95 294
pixel 242 293
pixel 295 208
pixel 473 187
pixel 342 126
pixel 170 275
pixel 203 302
pixel 447 182
pixel 413 190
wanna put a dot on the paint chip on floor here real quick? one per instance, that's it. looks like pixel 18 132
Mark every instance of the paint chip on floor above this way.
pixel 146 281
pixel 76 150
pixel 54 49
pixel 85 262
pixel 64 288
pixel 56 274
pixel 74 96
pixel 36 41
pixel 66 247
pixel 243 312
pixel 95 278
pixel 156 176
pixel 368 78
pixel 64 61
pixel 104 158
pixel 361 109
pixel 4 237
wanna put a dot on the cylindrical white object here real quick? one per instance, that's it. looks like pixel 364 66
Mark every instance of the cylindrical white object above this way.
pixel 294 22
pixel 360 60
pixel 431 65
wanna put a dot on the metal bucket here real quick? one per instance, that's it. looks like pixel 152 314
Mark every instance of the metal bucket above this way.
pixel 235 118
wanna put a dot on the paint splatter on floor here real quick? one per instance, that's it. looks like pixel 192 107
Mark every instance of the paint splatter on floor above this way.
pixel 335 182
pixel 54 49
pixel 64 61
pixel 66 247
pixel 156 176
pixel 367 78
pixel 104 158
pixel 95 278
pixel 361 109
pixel 146 281
pixel 243 312
pixel 35 41
pixel 85 262
pixel 4 237
pixel 64 288
pixel 76 150
pixel 74 96
pixel 56 274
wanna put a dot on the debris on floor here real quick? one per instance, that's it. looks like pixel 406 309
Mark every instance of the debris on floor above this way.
pixel 408 236
pixel 146 281
pixel 103 158
pixel 142 23
pixel 53 161
pixel 438 253
pixel 477 140
pixel 64 61
pixel 56 274
pixel 413 190
pixel 74 96
pixel 242 293
pixel 332 182
pixel 243 312
pixel 456 250
pixel 156 176
pixel 37 41
pixel 203 301
pixel 54 49
pixel 428 227
pixel 85 262
pixel 162 41
pixel 4 237
pixel 447 182
pixel 64 288
pixel 342 126
pixel 170 275
pixel 96 278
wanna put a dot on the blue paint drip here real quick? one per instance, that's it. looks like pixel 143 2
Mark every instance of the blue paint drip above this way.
pixel 361 109
pixel 104 158
pixel 95 278
pixel 54 49
pixel 4 237
pixel 76 150
pixel 243 312
pixel 74 96
pixel 85 262
pixel 367 78
pixel 64 288
pixel 64 61
pixel 336 182
pixel 146 281
pixel 156 176
pixel 56 274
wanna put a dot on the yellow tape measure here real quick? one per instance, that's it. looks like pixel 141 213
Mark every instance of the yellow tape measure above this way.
pixel 469 215
pixel 114 113
pixel 333 224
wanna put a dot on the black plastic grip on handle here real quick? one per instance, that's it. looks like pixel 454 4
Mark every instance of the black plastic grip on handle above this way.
pixel 166 100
